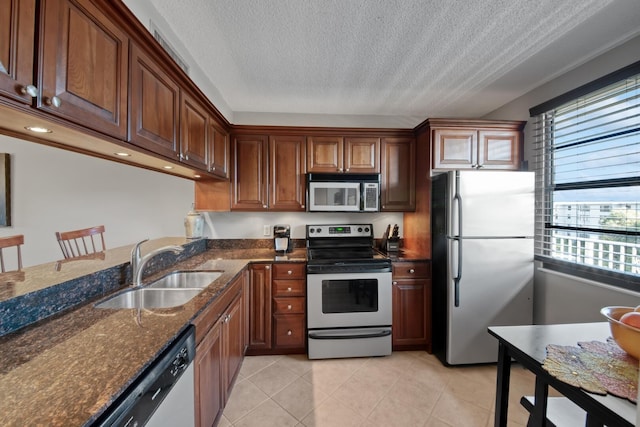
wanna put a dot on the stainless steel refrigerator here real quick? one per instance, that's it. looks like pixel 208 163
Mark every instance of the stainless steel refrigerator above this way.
pixel 482 226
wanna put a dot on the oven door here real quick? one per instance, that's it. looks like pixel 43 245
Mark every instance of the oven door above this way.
pixel 334 196
pixel 348 300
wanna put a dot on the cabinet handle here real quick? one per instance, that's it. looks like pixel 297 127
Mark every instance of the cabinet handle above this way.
pixel 289 332
pixel 289 272
pixel 479 166
pixel 411 271
pixel 186 157
pixel 54 101
pixel 267 267
pixel 474 166
pixel 30 90
pixel 289 307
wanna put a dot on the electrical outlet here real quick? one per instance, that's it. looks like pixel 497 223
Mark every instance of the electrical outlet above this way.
pixel 266 230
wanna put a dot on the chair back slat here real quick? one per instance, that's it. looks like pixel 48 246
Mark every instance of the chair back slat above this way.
pixel 74 243
pixel 12 241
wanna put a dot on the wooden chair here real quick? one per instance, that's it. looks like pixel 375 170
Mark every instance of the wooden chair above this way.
pixel 78 243
pixel 7 242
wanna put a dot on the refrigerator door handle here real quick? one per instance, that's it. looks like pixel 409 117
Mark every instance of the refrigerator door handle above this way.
pixel 456 281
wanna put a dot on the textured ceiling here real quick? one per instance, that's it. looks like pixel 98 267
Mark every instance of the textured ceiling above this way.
pixel 410 59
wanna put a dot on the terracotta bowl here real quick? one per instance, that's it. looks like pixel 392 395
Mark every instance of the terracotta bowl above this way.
pixel 627 337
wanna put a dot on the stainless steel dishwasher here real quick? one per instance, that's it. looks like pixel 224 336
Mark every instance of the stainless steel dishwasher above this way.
pixel 163 396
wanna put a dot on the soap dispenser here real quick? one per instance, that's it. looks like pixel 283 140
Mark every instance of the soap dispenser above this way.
pixel 194 224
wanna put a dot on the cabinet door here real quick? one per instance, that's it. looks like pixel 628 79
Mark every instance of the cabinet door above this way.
pixel 17 42
pixel 233 343
pixel 287 157
pixel 325 154
pixel 398 192
pixel 193 132
pixel 411 312
pixel 362 155
pixel 499 149
pixel 454 148
pixel 218 150
pixel 260 307
pixel 84 66
pixel 209 393
pixel 289 330
pixel 249 191
pixel 155 101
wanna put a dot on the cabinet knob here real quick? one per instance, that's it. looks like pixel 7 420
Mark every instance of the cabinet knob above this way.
pixel 54 101
pixel 213 168
pixel 289 289
pixel 347 170
pixel 267 267
pixel 339 169
pixel 394 283
pixel 289 307
pixel 264 206
pixel 411 271
pixel 289 272
pixel 289 332
pixel 30 90
pixel 186 157
pixel 302 206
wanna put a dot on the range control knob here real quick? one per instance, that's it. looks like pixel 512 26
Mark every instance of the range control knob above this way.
pixel 366 229
pixel 311 230
pixel 318 229
pixel 359 229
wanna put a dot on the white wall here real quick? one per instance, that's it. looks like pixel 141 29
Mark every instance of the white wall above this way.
pixel 57 190
pixel 561 298
pixel 248 225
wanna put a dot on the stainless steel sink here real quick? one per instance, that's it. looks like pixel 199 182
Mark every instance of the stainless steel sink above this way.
pixel 186 279
pixel 150 298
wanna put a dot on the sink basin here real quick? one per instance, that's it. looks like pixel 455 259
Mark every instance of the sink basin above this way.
pixel 150 298
pixel 185 279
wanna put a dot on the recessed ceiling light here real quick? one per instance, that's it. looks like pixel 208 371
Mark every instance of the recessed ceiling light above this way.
pixel 38 129
pixel 122 154
pixel 168 167
pixel 196 176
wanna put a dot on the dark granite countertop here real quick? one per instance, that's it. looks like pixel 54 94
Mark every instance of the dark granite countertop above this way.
pixel 67 369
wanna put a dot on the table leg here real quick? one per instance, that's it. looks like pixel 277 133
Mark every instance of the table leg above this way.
pixel 502 386
pixel 539 413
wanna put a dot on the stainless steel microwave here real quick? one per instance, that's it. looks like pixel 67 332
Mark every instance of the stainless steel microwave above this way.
pixel 328 192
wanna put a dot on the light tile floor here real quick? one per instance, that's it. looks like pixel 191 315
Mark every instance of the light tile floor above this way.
pixel 405 389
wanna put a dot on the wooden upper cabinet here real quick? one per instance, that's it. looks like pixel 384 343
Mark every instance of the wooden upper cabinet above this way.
pixel 362 155
pixel 455 148
pixel 325 154
pixel 218 149
pixel 398 187
pixel 17 43
pixel 287 159
pixel 499 149
pixel 155 106
pixel 194 144
pixel 337 154
pixel 249 186
pixel 83 67
pixel 476 144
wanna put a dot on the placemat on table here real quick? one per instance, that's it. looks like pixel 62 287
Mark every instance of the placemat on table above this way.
pixel 596 367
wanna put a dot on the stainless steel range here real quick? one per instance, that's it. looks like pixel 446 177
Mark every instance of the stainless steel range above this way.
pixel 348 293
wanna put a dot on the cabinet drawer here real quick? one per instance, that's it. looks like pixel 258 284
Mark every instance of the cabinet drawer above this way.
pixel 288 288
pixel 289 330
pixel 289 271
pixel 285 305
pixel 410 270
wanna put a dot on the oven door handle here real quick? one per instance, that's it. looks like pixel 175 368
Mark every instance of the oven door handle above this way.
pixel 377 334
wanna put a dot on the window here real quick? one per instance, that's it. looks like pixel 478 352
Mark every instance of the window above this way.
pixel 587 162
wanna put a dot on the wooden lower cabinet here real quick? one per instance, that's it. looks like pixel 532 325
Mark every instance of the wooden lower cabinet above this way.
pixel 411 305
pixel 219 352
pixel 277 308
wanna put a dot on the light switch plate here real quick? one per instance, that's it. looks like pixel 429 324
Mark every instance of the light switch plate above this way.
pixel 266 230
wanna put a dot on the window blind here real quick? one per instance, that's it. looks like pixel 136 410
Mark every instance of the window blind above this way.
pixel 587 163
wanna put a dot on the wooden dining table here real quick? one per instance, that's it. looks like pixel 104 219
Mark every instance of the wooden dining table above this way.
pixel 527 346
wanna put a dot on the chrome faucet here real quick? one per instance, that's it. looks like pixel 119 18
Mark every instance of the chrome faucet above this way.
pixel 140 264
pixel 135 257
